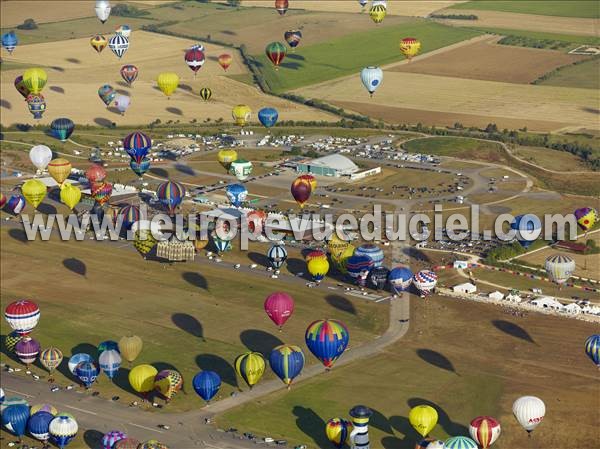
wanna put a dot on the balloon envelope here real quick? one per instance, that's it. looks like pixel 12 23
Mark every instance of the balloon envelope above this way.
pixel 14 418
pixel 22 316
pixel 277 256
pixel 62 128
pixel 268 117
pixel 287 362
pixel 250 366
pixel 337 431
pixel 529 411
pixel 371 78
pixel 141 378
pixel 206 384
pixel 527 227
pixel 34 192
pixel 279 306
pixel 592 348
pixel 39 425
pixel 327 340
pixel 40 156
pixel 484 430
pixel 76 359
pixel 423 418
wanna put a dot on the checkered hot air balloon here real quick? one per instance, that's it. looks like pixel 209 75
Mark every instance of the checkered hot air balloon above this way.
pixel 22 316
pixel 485 430
pixel 168 382
pixel 194 58
pixel 137 145
pixel 111 438
pixel 171 195
pixel 425 281
pixel 327 340
pixel 27 350
pixel 118 44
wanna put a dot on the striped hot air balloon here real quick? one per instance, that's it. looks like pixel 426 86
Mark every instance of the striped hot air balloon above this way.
pixel 425 281
pixel 337 431
pixel 129 73
pixel 98 43
pixel 63 429
pixel 62 128
pixel 293 38
pixel 22 316
pixel 118 44
pixel 130 215
pixel 194 58
pixel 205 93
pixel 27 350
pixel 287 362
pixel 400 279
pixel 111 438
pixel 250 366
pixel 327 340
pixel 277 256
pixel 358 268
pixel 137 145
pixel 371 250
pixel 592 349
pixel 276 52
pixel 171 195
pixel 485 430
pixel 35 79
pixel 51 358
pixel 559 268
pixel 378 11
pixel 460 443
pixel 110 362
pixel 141 168
pixel 48 408
pixel 409 47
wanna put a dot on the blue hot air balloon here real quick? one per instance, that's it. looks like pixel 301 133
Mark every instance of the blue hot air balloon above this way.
pixel 358 268
pixel 137 145
pixel 528 229
pixel 206 384
pixel 268 117
pixel 62 128
pixel 15 204
pixel 10 41
pixel 141 168
pixel 63 428
pixel 76 359
pixel 327 340
pixel 108 344
pixel 221 245
pixel 14 418
pixel 39 425
pixel 237 194
pixel 371 250
pixel 87 373
pixel 400 279
pixel 592 348
pixel 110 362
pixel 277 256
pixel 286 362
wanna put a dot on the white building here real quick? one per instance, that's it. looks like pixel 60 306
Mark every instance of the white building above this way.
pixel 460 264
pixel 547 302
pixel 467 287
pixel 572 309
pixel 514 298
pixel 498 296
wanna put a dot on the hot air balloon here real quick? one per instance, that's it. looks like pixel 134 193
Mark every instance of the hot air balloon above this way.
pixel 268 117
pixel 111 438
pixel 315 254
pixel 241 169
pixel 205 93
pixel 36 103
pixel 167 83
pixel 301 190
pixel 586 218
pixel 327 340
pixel 276 51
pixel 168 382
pixel 63 429
pixel 129 73
pixel 336 246
pixel 293 38
pixel 48 408
pixel 206 384
pixel 460 443
pixel 130 215
pixel 102 10
pixel 137 145
pixel 130 347
pixel 559 268
pixel 51 359
pixel 194 58
pixel 277 256
pixel 378 11
pixel 2 396
pixel 98 43
pixel 485 430
pixel 311 179
pixel 400 279
pixel 592 348
pixel 225 61
pixel 409 47
pixel 87 373
pixel 171 195
pixel 430 443
pixel 425 281
pixel 279 307
pixel 119 44
pixel 281 6
pixel 318 268
pixel 40 156
pixel 141 378
pixel 141 168
pixel 250 366
pixel 423 418
pixel 528 228
pixel 152 444
pixel 39 425
pixel 371 250
pixel 76 359
pixel 226 157
pixel 95 173
pixel 21 87
pixel 122 103
pixel 10 41
pixel 59 169
pixel 337 431
pixel 379 276
pixel 22 316
pixel 127 443
pixel 12 401
pixel 62 128
pixel 529 411
pixel 371 78
pixel 27 350
pixel 107 345
pixel 256 221
pixel 363 3
pixel 3 199
pixel 237 194
pixel 124 30
pixel 110 362
pixel 358 268
pixel 144 241
pixel 107 94
pixel 14 418
pixel 241 114
pixel 287 362
pixel 11 341
pixel 101 192
pixel 35 79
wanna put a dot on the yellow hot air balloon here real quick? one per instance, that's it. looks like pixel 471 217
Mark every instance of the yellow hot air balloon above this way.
pixel 35 79
pixel 130 347
pixel 34 192
pixel 241 114
pixel 340 262
pixel 250 366
pixel 409 47
pixel 226 157
pixel 423 418
pixel 337 246
pixel 70 195
pixel 144 241
pixel 378 12
pixel 141 378
pixel 168 82
pixel 59 169
pixel 318 268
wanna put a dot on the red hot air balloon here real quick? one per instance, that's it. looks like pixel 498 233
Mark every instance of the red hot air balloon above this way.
pixel 194 58
pixel 279 307
pixel 95 174
pixel 281 6
pixel 225 60
pixel 22 316
pixel 301 190
pixel 256 221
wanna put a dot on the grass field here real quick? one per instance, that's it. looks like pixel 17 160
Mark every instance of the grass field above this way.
pixel 571 39
pixel 456 147
pixel 462 374
pixel 584 75
pixel 570 8
pixel 550 159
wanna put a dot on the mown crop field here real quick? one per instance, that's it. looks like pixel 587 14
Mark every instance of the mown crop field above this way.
pixel 570 8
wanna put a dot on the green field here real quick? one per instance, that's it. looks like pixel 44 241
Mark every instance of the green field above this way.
pixel 534 37
pixel 550 159
pixel 570 8
pixel 464 148
pixel 584 75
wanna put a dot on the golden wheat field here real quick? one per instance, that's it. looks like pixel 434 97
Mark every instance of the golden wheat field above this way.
pixel 75 72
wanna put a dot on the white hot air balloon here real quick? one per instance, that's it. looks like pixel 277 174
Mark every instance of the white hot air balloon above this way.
pixel 63 429
pixel 371 78
pixel 102 10
pixel 529 411
pixel 559 268
pixel 122 103
pixel 118 44
pixel 40 156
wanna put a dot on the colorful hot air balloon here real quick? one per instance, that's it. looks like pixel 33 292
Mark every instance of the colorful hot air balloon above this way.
pixel 130 214
pixel 21 87
pixel 310 178
pixel 430 443
pixel 205 93
pixel 14 418
pixel 76 359
pixel 129 73
pixel 460 443
pixel 400 279
pixel 98 43
pixel 315 254
pixel 241 169
pixel 379 276
pixel 206 384
pixel 529 411
pixel 337 431
pixel 95 173
pixel 293 38
pixel 27 350
pixel 220 244
pixel 167 83
pixel 110 362
pixel 371 78
pixel 171 195
pixel 141 378
pixel 592 348
pixel 59 169
pixel 35 79
pixel 122 103
pixel 225 61
pixel 62 128
pixel 111 438
pixel 168 382
pixel 36 103
pixel 130 347
pixel 250 366
pixel 485 430
pixel 281 6
pixel 40 156
pixel 358 268
pixel 237 194
pixel 10 41
pixel 87 373
pixel 3 199
pixel 63 429
pixel 559 268
pixel 318 268
pixel 268 117
pixel 137 145
pixel 101 192
pixel 256 221
pixel 124 30
pixel 409 47
pixel 423 418
pixel 327 340
pixel 528 228
pixel 144 241
pixel 141 168
pixel 301 190
pixel 39 425
pixel 371 250
pixel 22 316
pixel 336 246
pixel 226 157
pixel 51 358
pixel 119 44
pixel 287 362
pixel 276 51
pixel 279 307
pixel 194 58
pixel 107 94
pixel 241 114
pixel 586 218
pixel 102 10
pixel 277 256
pixel 425 281
pixel 378 11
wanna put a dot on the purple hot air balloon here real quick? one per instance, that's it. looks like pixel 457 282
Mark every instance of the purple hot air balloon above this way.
pixel 110 438
pixel 27 350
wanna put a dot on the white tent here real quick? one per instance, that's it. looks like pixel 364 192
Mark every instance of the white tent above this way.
pixel 498 296
pixel 467 287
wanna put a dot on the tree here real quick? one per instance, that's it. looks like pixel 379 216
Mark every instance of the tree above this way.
pixel 234 3
pixel 28 24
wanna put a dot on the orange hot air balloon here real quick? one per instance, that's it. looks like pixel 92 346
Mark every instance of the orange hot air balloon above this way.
pixel 281 6
pixel 225 60
pixel 59 169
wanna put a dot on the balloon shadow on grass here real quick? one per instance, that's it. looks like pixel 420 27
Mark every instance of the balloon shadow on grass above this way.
pixel 174 110
pixel 291 65
pixel 85 348
pixel 195 279
pixel 295 56
pixel 397 443
pixel 312 425
pixel 57 68
pixel 5 104
pixel 341 303
pixel 122 84
pixel 19 235
pixel 259 259
pixel 259 341
pixel 512 329
pixel 93 438
pixel 46 209
pixel 228 32
pixel 75 265
pixel 444 421
pixel 73 60
pixel 104 122
pixel 220 366
pixel 161 172
pixel 121 380
pixel 296 266
pixel 57 89
pixel 379 421
pixel 185 169
pixel 436 359
pixel 189 324
pixel 403 426
pixel 186 87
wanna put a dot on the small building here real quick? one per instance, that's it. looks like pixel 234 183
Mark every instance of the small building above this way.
pixel 514 297
pixel 335 165
pixel 467 287
pixel 572 309
pixel 460 264
pixel 547 302
pixel 497 296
